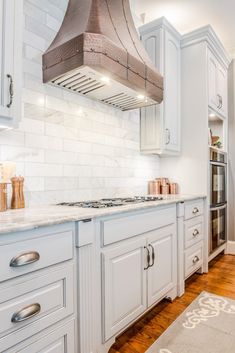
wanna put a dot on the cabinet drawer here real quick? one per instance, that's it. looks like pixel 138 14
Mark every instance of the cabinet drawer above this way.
pixel 60 340
pixel 193 209
pixel 26 256
pixel 27 306
pixel 193 259
pixel 193 231
pixel 124 227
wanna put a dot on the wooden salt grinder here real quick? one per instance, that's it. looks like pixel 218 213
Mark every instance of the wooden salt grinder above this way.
pixel 15 199
pixel 21 192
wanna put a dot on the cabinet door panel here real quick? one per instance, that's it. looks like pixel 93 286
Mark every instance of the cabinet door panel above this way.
pixel 7 10
pixel 212 85
pixel 11 28
pixel 162 275
pixel 61 340
pixel 222 89
pixel 160 125
pixel 124 285
pixel 172 93
pixel 153 43
pixel 150 129
pixel 151 117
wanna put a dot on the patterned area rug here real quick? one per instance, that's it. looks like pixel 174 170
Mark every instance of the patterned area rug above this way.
pixel 206 326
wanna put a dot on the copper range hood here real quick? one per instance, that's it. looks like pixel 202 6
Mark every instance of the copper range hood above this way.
pixel 97 53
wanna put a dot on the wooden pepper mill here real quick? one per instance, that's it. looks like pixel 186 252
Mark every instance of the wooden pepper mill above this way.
pixel 21 192
pixel 3 197
pixel 17 199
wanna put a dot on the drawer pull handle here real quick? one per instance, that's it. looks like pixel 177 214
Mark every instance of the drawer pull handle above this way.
pixel 11 90
pixel 25 259
pixel 26 313
pixel 195 210
pixel 195 232
pixel 196 259
pixel 153 255
pixel 148 258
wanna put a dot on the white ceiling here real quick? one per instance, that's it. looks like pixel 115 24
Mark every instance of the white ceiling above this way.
pixel 186 15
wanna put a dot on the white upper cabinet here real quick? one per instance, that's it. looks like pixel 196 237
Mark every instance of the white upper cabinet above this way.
pixel 160 124
pixel 11 28
pixel 217 86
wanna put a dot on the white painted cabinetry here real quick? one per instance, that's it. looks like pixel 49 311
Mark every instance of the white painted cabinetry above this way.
pixel 217 85
pixel 192 240
pixel 139 272
pixel 160 124
pixel 60 339
pixel 11 15
pixel 74 287
pixel 162 270
pixel 37 288
pixel 124 285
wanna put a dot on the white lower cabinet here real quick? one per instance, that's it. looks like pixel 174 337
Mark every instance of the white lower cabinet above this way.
pixel 124 285
pixel 38 291
pixel 29 305
pixel 59 340
pixel 162 273
pixel 192 240
pixel 136 274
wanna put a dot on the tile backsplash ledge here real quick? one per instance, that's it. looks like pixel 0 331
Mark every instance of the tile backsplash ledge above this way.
pixel 67 146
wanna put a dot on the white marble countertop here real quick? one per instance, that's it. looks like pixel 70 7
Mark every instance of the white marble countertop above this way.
pixel 34 217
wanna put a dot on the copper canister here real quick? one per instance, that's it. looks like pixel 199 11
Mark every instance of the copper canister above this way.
pixel 154 187
pixel 150 187
pixel 173 188
pixel 165 189
pixel 164 181
pixel 3 197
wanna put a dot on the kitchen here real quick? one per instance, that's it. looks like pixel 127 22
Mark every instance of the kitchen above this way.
pixel 78 276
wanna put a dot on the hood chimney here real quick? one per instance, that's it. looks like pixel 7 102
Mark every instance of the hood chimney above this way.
pixel 97 53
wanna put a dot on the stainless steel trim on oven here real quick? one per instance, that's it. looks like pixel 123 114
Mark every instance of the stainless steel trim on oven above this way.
pixel 218 181
pixel 218 227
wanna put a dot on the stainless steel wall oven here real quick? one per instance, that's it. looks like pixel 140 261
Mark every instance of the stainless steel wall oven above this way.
pixel 218 199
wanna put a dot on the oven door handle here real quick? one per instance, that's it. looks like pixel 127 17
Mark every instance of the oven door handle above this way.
pixel 218 208
pixel 218 164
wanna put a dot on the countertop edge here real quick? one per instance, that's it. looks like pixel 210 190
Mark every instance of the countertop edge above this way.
pixel 21 224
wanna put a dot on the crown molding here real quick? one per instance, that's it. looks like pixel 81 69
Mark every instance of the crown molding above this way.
pixel 161 22
pixel 208 35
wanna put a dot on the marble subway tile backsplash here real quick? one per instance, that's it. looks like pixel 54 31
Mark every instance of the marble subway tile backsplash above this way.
pixel 67 146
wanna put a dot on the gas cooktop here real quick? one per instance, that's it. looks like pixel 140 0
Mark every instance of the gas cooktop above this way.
pixel 112 202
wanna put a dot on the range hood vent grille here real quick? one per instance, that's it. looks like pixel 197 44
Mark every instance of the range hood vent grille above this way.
pixel 98 40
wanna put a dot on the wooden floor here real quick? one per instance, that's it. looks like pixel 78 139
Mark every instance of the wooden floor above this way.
pixel 220 280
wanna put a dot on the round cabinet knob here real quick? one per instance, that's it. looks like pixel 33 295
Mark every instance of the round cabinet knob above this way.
pixel 195 259
pixel 195 232
pixel 195 210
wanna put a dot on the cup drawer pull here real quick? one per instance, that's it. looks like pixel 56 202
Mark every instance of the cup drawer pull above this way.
pixel 26 313
pixel 25 259
pixel 195 232
pixel 195 210
pixel 195 259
